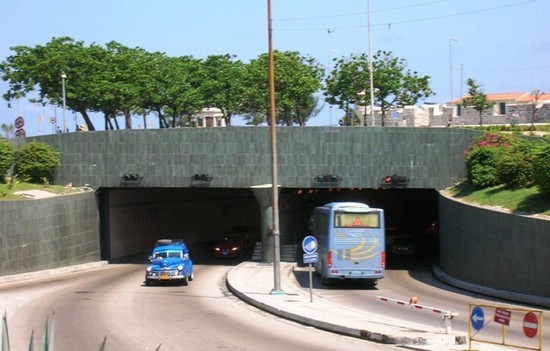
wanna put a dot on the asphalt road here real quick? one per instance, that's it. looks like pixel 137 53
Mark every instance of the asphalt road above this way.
pixel 410 278
pixel 112 301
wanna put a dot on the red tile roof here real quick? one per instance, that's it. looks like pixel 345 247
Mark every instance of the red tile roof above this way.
pixel 510 97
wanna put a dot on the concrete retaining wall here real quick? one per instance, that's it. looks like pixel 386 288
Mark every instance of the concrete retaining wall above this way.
pixel 495 249
pixel 48 233
pixel 240 157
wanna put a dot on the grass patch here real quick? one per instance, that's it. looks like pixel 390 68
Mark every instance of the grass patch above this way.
pixel 8 190
pixel 521 201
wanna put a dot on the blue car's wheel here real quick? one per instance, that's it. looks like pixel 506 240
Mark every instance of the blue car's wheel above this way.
pixel 185 281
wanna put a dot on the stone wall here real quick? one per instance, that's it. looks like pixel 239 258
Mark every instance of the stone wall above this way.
pixel 495 249
pixel 48 233
pixel 240 157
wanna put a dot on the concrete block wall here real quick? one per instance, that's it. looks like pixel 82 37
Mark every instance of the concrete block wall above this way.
pixel 240 157
pixel 48 233
pixel 495 249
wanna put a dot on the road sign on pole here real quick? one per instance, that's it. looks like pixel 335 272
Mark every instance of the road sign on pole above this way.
pixel 477 318
pixel 502 316
pixel 530 325
pixel 309 244
pixel 311 258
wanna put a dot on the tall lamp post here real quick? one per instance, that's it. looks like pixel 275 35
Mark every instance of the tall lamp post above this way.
pixel 63 77
pixel 275 190
pixel 451 74
pixel 371 73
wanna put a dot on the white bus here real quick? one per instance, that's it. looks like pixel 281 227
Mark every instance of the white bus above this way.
pixel 350 236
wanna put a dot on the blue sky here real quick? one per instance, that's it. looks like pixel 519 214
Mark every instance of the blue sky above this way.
pixel 504 45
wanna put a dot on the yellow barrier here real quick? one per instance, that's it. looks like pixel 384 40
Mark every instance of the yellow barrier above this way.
pixel 507 326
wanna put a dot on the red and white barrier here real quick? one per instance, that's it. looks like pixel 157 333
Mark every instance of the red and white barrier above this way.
pixel 446 315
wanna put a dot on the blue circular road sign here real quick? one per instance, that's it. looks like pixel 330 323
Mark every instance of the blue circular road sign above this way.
pixel 309 244
pixel 477 318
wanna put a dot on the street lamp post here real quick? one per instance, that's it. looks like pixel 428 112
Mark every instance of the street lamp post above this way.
pixel 274 173
pixel 63 77
pixel 371 73
pixel 451 74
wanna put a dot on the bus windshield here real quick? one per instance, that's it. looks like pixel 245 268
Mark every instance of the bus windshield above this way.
pixel 357 220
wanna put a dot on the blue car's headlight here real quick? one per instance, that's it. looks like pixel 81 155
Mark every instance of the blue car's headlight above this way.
pixel 180 267
pixel 149 269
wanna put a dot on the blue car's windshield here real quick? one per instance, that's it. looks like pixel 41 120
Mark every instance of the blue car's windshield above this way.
pixel 168 254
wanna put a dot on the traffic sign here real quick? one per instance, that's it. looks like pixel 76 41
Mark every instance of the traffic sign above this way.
pixel 530 325
pixel 309 244
pixel 20 133
pixel 19 122
pixel 477 318
pixel 52 120
pixel 502 316
pixel 311 257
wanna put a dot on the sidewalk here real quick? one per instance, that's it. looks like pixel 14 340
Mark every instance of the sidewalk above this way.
pixel 253 282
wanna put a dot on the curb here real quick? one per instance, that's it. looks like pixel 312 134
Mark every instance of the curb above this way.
pixel 16 278
pixel 505 295
pixel 382 338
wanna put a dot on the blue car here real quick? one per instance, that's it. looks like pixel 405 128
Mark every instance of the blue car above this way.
pixel 169 264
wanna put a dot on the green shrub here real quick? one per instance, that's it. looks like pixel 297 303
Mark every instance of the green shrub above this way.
pixel 541 168
pixel 515 168
pixel 36 161
pixel 481 166
pixel 6 158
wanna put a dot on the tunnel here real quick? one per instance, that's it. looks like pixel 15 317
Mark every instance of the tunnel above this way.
pixel 133 219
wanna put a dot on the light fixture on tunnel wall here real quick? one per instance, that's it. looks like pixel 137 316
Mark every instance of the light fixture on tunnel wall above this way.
pixel 327 180
pixel 130 179
pixel 201 179
pixel 394 181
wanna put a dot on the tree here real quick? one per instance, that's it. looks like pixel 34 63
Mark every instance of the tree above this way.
pixel 477 99
pixel 8 130
pixel 184 97
pixel 223 86
pixel 541 169
pixel 345 86
pixel 119 82
pixel 297 79
pixel 40 68
pixel 394 85
pixel 535 106
pixel 36 161
pixel 6 158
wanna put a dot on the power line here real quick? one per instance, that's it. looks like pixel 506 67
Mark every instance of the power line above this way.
pixel 510 69
pixel 418 19
pixel 359 13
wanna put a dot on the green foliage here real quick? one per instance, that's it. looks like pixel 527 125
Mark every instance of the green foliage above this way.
pixel 481 166
pixel 394 86
pixel 36 160
pixel 6 158
pixel 477 99
pixel 541 168
pixel 297 79
pixel 508 160
pixel 223 86
pixel 514 170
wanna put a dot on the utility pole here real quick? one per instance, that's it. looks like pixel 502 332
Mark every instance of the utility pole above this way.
pixel 274 187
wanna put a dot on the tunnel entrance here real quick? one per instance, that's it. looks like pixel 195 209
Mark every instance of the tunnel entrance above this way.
pixel 132 219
